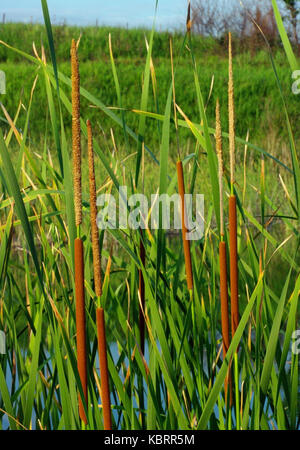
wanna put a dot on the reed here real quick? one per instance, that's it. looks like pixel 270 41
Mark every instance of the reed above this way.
pixel 222 251
pixel 100 320
pixel 186 242
pixel 78 247
pixel 182 378
pixel 142 296
pixel 232 203
pixel 102 346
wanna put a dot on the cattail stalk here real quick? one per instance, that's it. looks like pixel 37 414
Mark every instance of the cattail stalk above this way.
pixel 222 249
pixel 142 296
pixel 232 203
pixel 101 335
pixel 80 324
pixel 186 242
pixel 103 368
pixel 78 248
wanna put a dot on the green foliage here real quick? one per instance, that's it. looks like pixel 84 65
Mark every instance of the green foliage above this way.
pixel 180 382
pixel 128 43
pixel 258 105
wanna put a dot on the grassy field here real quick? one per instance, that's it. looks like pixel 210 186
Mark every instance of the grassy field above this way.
pixel 257 99
pixel 145 122
pixel 128 43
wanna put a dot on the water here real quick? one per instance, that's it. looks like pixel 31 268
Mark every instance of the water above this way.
pixel 115 356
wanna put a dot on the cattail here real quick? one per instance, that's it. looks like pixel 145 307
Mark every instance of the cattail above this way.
pixel 220 164
pixel 76 144
pixel 224 298
pixel 233 264
pixel 80 323
pixel 78 248
pixel 102 346
pixel 188 19
pixel 186 243
pixel 232 203
pixel 222 247
pixel 224 311
pixel 93 213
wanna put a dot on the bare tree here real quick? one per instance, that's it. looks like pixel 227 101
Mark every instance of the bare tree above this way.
pixel 209 17
pixel 293 8
pixel 217 17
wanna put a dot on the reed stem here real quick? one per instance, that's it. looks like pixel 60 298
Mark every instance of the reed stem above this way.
pixel 102 350
pixel 237 400
pixel 186 242
pixel 142 297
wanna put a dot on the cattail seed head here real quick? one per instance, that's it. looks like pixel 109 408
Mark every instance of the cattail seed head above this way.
pixel 231 113
pixel 220 162
pixel 188 19
pixel 219 138
pixel 93 214
pixel 76 144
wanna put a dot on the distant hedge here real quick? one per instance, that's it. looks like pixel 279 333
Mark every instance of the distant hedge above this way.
pixel 258 103
pixel 128 43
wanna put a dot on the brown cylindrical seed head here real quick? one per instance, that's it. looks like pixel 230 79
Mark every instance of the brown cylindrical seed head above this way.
pixel 224 297
pixel 233 264
pixel 76 136
pixel 93 214
pixel 103 368
pixel 224 308
pixel 186 243
pixel 80 323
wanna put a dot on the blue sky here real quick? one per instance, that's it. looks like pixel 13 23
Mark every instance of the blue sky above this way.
pixel 171 13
